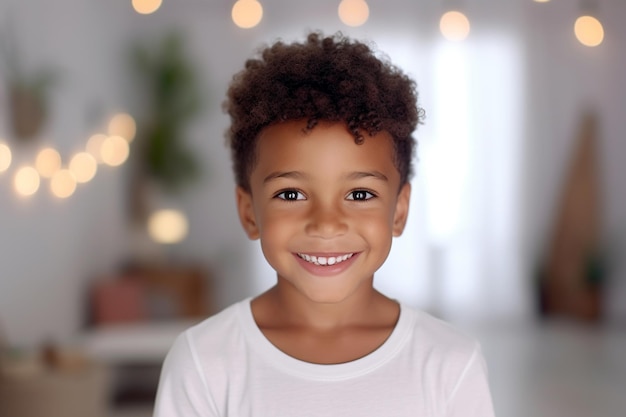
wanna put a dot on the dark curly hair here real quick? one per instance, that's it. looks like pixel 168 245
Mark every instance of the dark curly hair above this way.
pixel 330 78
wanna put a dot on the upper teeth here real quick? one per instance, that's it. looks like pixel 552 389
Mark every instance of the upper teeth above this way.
pixel 325 260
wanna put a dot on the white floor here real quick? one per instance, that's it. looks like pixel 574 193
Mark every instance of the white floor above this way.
pixel 552 369
pixel 557 369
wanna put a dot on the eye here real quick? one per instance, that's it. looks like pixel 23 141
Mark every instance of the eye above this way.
pixel 360 195
pixel 290 195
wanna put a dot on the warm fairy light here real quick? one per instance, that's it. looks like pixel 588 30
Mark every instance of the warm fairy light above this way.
pixel 26 181
pixel 353 12
pixel 48 162
pixel 5 157
pixel 146 6
pixel 589 31
pixel 83 166
pixel 454 26
pixel 63 183
pixel 167 226
pixel 123 125
pixel 115 150
pixel 94 146
pixel 247 13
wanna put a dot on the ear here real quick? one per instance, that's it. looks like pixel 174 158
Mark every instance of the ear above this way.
pixel 402 210
pixel 246 213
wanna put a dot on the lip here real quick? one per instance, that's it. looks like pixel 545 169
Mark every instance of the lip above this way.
pixel 326 270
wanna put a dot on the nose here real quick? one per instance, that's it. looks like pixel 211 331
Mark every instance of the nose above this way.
pixel 326 222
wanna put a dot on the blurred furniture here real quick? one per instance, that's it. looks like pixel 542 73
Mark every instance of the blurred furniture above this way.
pixel 134 319
pixel 150 294
pixel 573 276
pixel 36 390
pixel 133 354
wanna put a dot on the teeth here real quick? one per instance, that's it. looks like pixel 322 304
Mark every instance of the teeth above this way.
pixel 324 260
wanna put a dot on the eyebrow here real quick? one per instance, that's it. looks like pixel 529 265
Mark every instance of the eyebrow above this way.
pixel 367 174
pixel 300 175
pixel 284 174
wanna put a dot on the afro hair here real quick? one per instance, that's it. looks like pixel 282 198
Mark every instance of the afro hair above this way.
pixel 334 79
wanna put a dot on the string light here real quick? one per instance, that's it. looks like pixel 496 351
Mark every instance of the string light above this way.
pixel 48 162
pixel 123 124
pixel 63 183
pixel 454 26
pixel 146 6
pixel 26 181
pixel 353 12
pixel 94 146
pixel 5 157
pixel 83 166
pixel 589 31
pixel 112 150
pixel 247 13
pixel 168 226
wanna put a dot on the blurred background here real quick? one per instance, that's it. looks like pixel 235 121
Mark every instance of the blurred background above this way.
pixel 117 220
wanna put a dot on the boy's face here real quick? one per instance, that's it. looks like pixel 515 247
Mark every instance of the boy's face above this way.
pixel 324 208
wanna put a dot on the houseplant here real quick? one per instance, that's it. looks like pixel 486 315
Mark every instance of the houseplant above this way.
pixel 172 99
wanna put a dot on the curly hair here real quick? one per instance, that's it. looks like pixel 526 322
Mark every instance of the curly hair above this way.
pixel 333 79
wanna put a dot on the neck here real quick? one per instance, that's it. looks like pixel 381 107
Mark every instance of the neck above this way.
pixel 290 308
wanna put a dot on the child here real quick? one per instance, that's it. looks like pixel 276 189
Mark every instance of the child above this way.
pixel 321 141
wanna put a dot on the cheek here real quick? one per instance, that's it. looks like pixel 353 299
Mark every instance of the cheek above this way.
pixel 379 219
pixel 276 236
pixel 378 230
pixel 275 229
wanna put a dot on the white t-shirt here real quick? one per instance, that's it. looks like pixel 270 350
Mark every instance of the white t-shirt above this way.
pixel 225 366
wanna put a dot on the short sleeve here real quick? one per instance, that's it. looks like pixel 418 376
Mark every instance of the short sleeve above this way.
pixel 182 390
pixel 471 396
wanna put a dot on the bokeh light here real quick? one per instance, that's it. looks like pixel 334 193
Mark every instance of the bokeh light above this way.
pixel 247 13
pixel 353 12
pixel 26 181
pixel 48 162
pixel 167 226
pixel 146 6
pixel 454 26
pixel 114 150
pixel 589 31
pixel 5 157
pixel 94 146
pixel 83 166
pixel 63 183
pixel 123 125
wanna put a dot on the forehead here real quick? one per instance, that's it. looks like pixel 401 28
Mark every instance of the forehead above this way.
pixel 329 149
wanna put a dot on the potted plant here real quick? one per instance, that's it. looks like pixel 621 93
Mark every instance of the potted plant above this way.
pixel 172 99
pixel 27 92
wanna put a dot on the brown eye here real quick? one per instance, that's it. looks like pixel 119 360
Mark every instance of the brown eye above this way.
pixel 290 195
pixel 360 195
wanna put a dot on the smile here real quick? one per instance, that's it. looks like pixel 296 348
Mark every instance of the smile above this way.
pixel 325 260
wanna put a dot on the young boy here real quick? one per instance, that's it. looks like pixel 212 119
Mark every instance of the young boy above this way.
pixel 321 141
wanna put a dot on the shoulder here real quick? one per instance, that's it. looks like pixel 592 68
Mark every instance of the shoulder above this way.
pixel 212 337
pixel 198 359
pixel 440 346
pixel 219 323
pixel 438 334
pixel 446 356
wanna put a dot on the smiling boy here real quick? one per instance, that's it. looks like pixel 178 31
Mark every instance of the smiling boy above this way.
pixel 321 140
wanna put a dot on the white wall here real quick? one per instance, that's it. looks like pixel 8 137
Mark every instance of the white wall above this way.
pixel 50 249
pixel 564 80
